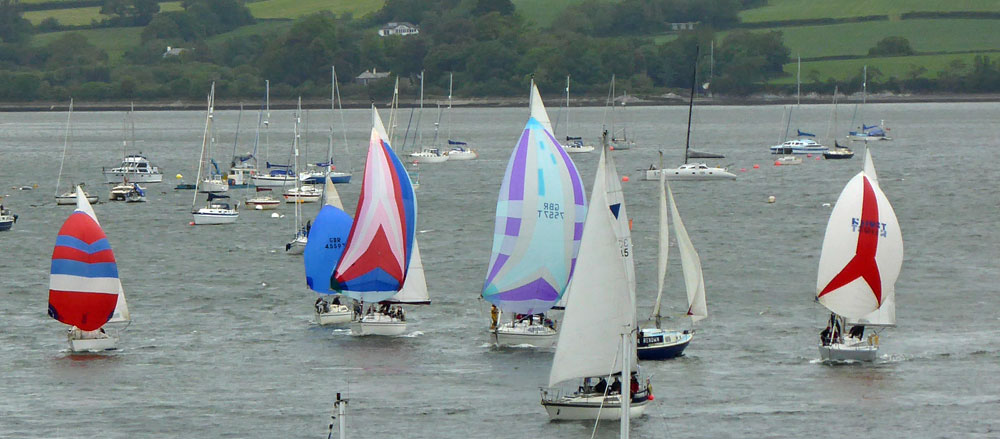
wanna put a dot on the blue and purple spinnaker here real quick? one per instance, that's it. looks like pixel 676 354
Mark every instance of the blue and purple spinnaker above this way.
pixel 539 221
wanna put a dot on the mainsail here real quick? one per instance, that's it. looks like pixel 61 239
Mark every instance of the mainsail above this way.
pixel 862 251
pixel 374 263
pixel 598 307
pixel 694 279
pixel 539 221
pixel 84 288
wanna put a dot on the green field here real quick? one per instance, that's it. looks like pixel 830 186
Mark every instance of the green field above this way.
pixel 114 41
pixel 67 17
pixel 299 8
pixel 945 35
pixel 781 10
pixel 262 28
pixel 899 66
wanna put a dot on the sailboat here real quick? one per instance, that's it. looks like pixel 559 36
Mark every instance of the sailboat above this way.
pixel 299 194
pixel 622 141
pixel 243 167
pixel 325 245
pixel 277 175
pixel 599 326
pixel 7 218
pixel 838 152
pixel 327 170
pixel 380 261
pixel 539 219
pixel 430 154
pixel 218 210
pixel 459 150
pixel 860 260
pixel 573 144
pixel 84 289
pixel 655 343
pixel 687 171
pixel 866 132
pixel 298 244
pixel 69 197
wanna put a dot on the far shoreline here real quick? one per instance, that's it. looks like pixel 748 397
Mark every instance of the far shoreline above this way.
pixel 506 102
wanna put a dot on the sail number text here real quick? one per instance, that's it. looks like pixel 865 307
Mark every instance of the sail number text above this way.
pixel 551 211
pixel 334 243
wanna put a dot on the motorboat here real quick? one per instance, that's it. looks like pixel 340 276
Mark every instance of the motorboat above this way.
pixel 303 194
pixel 241 174
pixel 788 160
pixel 136 168
pixel 799 146
pixel 690 171
pixel 429 155
pixel 662 344
pixel 7 219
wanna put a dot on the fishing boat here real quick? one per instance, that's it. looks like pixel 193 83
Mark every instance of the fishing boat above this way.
pixel 687 171
pixel 324 246
pixel 217 210
pixel 536 236
pixel 858 266
pixel 865 132
pixel 599 326
pixel 68 198
pixel 380 249
pixel 654 342
pixel 459 150
pixel 618 141
pixel 84 289
pixel 263 200
pixel 7 218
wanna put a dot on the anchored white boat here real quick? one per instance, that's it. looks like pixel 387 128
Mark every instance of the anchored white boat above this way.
pixel 799 146
pixel 303 194
pixel 788 160
pixel 573 144
pixel 84 289
pixel 68 198
pixel 655 342
pixel 618 141
pixel 136 168
pixel 429 155
pixel 599 327
pixel 217 210
pixel 535 239
pixel 860 261
pixel 263 200
pixel 459 150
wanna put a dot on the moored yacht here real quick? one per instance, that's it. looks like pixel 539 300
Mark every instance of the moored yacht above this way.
pixel 429 155
pixel 799 146
pixel 136 168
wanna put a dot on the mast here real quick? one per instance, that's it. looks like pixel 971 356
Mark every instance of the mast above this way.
pixel 267 118
pixel 236 138
pixel 131 121
pixel 343 125
pixel 65 146
pixel 798 82
pixel 664 246
pixel 451 79
pixel 436 126
pixel 567 106
pixel 295 164
pixel 711 65
pixel 626 391
pixel 420 115
pixel 694 72
pixel 204 144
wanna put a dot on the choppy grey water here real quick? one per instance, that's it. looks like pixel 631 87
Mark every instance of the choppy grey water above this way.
pixel 222 343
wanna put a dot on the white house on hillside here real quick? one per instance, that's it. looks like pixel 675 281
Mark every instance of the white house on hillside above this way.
pixel 401 28
pixel 369 76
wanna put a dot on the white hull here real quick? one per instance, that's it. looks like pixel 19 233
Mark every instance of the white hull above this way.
pixel 79 344
pixel 462 155
pixel 116 177
pixel 622 145
pixel 588 408
pixel 788 160
pixel 689 174
pixel 214 216
pixel 70 199
pixel 297 246
pixel 867 138
pixel 291 198
pixel 428 158
pixel 521 334
pixel 573 149
pixel 265 204
pixel 378 324
pixel 272 181
pixel 213 186
pixel 338 315
pixel 858 351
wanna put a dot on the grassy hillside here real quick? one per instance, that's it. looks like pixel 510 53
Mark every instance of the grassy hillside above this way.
pixel 898 66
pixel 113 40
pixel 780 10
pixel 67 17
pixel 946 35
pixel 298 8
pixel 542 13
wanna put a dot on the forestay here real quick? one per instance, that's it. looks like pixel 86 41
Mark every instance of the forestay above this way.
pixel 862 251
pixel 539 221
pixel 84 288
pixel 598 308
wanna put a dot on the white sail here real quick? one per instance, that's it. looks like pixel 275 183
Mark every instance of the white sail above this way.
pixel 414 288
pixel 870 166
pixel 862 251
pixel 694 279
pixel 616 204
pixel 538 109
pixel 598 308
pixel 120 313
pixel 664 245
pixel 331 196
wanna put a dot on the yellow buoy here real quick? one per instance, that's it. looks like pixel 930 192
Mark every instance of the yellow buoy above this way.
pixel 179 176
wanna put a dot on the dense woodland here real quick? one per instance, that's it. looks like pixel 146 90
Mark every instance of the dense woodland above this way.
pixel 485 43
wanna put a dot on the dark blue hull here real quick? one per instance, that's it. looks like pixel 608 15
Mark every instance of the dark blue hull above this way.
pixel 6 225
pixel 661 352
pixel 336 180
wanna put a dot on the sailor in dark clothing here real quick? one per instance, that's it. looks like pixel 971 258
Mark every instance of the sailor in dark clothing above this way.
pixel 824 337
pixel 857 331
pixel 601 386
pixel 616 387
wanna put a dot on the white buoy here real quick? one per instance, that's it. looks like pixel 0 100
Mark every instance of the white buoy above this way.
pixel 258 207
pixel 826 204
pixel 771 199
pixel 275 215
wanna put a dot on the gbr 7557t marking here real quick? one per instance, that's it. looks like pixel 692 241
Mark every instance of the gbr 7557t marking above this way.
pixel 551 211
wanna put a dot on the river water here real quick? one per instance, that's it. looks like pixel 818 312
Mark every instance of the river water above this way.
pixel 222 343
